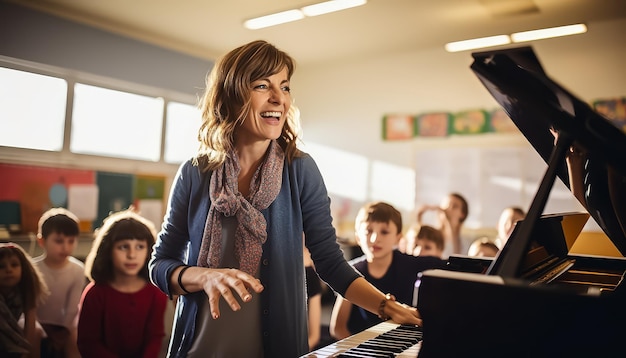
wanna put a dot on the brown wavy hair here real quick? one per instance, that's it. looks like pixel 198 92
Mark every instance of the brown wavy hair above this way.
pixel 226 102
pixel 32 287
pixel 122 225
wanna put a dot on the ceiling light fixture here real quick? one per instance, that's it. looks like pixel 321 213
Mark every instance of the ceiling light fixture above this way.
pixel 516 37
pixel 273 19
pixel 478 43
pixel 548 33
pixel 330 6
pixel 298 14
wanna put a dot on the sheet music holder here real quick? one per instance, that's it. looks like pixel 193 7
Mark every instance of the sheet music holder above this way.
pixel 518 309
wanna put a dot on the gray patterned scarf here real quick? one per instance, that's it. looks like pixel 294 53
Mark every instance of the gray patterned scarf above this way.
pixel 227 200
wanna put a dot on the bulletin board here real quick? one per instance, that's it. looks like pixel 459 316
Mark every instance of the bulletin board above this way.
pixel 37 189
pixel 28 191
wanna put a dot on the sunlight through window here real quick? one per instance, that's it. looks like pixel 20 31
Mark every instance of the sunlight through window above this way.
pixel 393 184
pixel 345 174
pixel 117 124
pixel 181 132
pixel 32 110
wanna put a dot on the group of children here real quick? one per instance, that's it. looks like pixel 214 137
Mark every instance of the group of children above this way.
pixel 53 305
pixel 421 239
pixel 392 261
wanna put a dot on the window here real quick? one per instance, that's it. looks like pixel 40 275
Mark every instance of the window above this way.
pixel 32 110
pixel 117 124
pixel 181 132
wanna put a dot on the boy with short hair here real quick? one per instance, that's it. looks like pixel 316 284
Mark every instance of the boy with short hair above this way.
pixel 378 229
pixel 64 274
pixel 483 247
pixel 424 239
pixel 429 242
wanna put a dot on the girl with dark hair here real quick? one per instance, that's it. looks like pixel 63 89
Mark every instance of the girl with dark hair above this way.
pixel 22 289
pixel 121 312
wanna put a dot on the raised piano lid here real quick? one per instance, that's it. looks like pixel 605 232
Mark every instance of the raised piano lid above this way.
pixel 593 147
pixel 499 314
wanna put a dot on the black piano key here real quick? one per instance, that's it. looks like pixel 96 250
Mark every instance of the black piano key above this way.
pixel 396 338
pixel 404 331
pixel 391 349
pixel 408 327
pixel 361 352
pixel 386 342
pixel 348 354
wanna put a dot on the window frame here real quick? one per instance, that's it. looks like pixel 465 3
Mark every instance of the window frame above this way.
pixel 66 158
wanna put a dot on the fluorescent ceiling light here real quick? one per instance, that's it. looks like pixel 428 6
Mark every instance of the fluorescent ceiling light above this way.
pixel 478 43
pixel 330 6
pixel 298 14
pixel 273 19
pixel 548 33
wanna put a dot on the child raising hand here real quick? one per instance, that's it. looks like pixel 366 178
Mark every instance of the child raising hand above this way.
pixel 21 290
pixel 121 312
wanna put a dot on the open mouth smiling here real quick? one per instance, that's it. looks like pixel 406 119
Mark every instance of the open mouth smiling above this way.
pixel 271 115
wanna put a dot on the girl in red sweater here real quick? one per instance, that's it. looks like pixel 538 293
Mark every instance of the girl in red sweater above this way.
pixel 121 312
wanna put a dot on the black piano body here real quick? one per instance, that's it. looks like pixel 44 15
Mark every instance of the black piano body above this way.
pixel 576 314
pixel 537 299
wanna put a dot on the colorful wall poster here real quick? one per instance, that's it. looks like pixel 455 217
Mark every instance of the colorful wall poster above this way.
pixel 470 122
pixel 500 122
pixel 436 124
pixel 398 126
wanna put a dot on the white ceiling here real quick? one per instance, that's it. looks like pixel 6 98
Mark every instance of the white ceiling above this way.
pixel 210 28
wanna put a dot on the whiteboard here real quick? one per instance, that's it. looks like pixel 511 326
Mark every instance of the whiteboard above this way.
pixel 490 178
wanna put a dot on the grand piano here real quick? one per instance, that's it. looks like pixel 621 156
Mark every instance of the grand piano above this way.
pixel 536 298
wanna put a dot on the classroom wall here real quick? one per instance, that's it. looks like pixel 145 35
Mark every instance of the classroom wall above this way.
pixel 342 103
pixel 35 36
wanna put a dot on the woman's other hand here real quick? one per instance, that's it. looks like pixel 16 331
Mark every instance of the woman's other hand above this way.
pixel 225 282
pixel 402 313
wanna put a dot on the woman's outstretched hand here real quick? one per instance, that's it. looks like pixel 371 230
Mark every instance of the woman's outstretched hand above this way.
pixel 228 283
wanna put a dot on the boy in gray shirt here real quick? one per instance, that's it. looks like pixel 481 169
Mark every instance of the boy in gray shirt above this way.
pixel 65 276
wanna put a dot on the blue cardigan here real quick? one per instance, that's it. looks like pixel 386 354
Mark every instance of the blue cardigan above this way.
pixel 301 206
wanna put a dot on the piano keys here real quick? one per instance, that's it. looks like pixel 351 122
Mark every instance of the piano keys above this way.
pixel 386 339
